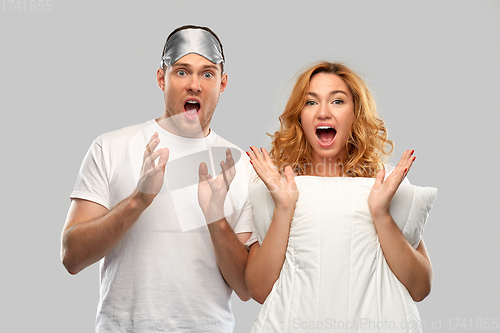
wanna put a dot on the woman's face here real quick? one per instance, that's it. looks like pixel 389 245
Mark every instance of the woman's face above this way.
pixel 327 116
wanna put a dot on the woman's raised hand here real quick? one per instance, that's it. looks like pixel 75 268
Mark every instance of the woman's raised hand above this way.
pixel 383 191
pixel 283 189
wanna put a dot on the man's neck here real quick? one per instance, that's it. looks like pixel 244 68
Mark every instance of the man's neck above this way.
pixel 170 126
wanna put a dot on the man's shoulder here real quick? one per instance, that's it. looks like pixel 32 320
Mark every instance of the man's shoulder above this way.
pixel 119 135
pixel 221 142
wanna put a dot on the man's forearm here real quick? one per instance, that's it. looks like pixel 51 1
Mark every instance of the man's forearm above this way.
pixel 86 242
pixel 231 256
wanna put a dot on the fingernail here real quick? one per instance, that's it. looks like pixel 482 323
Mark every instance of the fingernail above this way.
pixel 405 170
pixel 412 152
pixel 248 154
pixel 251 162
pixel 414 157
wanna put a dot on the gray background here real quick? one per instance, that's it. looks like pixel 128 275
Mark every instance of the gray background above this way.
pixel 87 67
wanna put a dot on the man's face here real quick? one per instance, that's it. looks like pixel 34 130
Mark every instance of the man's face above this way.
pixel 191 87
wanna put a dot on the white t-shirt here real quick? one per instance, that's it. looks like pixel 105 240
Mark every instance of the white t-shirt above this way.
pixel 163 275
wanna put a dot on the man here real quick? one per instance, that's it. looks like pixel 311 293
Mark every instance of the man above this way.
pixel 169 237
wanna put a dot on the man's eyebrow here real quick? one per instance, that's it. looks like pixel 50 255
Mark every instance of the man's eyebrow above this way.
pixel 211 66
pixel 333 92
pixel 182 64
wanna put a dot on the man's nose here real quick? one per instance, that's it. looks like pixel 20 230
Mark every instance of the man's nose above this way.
pixel 194 84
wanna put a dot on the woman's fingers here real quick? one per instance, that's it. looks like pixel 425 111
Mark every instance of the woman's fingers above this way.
pixel 407 160
pixel 256 155
pixel 379 179
pixel 290 179
pixel 289 174
pixel 404 165
pixel 268 159
pixel 262 157
pixel 263 168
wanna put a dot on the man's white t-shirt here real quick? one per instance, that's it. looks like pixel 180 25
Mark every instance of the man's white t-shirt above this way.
pixel 163 275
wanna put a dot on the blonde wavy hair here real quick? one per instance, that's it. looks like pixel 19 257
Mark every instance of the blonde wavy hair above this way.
pixel 367 148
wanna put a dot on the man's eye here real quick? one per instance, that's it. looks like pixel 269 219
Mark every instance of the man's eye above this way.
pixel 207 75
pixel 181 73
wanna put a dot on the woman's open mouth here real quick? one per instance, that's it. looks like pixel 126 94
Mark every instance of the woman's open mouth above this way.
pixel 325 135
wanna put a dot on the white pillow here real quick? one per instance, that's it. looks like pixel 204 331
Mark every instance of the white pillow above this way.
pixel 334 268
pixel 410 206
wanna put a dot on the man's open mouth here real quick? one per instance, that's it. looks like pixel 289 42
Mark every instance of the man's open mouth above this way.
pixel 325 134
pixel 191 108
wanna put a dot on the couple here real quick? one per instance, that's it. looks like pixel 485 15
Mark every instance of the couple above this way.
pixel 173 242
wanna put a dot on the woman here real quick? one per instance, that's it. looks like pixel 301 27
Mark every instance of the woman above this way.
pixel 330 130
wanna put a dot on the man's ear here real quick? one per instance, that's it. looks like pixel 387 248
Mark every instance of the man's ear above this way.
pixel 223 82
pixel 160 78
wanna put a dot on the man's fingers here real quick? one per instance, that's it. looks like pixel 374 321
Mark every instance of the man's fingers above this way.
pixel 204 175
pixel 228 166
pixel 225 174
pixel 154 170
pixel 164 156
pixel 203 171
pixel 229 159
pixel 152 144
pixel 154 136
pixel 149 161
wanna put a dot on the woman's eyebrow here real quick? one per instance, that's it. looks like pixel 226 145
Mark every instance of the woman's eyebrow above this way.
pixel 333 92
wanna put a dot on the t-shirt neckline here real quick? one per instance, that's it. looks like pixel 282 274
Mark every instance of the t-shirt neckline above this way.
pixel 180 140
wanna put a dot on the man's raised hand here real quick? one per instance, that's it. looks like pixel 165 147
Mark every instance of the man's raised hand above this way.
pixel 152 172
pixel 212 192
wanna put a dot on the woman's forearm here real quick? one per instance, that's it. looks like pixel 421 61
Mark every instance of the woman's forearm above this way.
pixel 412 267
pixel 265 262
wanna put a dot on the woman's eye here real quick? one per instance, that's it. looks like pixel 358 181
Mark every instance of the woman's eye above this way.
pixel 338 101
pixel 310 103
pixel 208 75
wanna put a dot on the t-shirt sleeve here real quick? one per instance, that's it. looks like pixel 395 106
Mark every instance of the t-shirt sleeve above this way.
pixel 253 238
pixel 92 182
pixel 245 221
